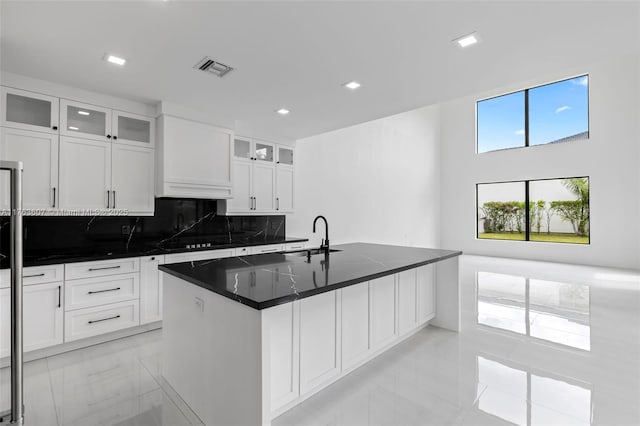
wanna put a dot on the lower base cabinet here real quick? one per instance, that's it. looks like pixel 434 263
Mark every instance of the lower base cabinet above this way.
pixel 319 339
pixel 43 316
pixel 315 340
pixel 97 320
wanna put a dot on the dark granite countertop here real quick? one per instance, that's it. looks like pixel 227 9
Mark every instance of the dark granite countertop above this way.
pixel 88 254
pixel 265 280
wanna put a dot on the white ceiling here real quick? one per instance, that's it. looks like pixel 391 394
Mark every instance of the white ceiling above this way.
pixel 297 54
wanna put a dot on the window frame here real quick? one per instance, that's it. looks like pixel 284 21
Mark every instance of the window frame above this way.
pixel 527 219
pixel 526 113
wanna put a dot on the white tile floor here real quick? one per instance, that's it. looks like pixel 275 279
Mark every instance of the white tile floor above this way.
pixel 541 344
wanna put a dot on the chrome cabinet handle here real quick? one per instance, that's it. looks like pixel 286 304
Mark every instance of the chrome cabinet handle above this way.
pixel 59 296
pixel 103 319
pixel 103 268
pixel 103 291
pixel 108 198
pixel 277 203
pixel 54 197
pixel 114 199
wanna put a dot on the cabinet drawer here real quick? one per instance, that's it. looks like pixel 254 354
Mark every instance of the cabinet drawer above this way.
pixel 87 292
pixel 200 255
pixel 295 246
pixel 272 248
pixel 101 268
pixel 89 322
pixel 34 275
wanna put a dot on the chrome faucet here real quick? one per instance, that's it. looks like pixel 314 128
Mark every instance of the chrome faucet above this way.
pixel 325 243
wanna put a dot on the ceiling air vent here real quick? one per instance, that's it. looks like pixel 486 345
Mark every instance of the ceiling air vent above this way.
pixel 216 68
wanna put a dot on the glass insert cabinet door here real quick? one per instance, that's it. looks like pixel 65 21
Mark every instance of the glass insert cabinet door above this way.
pixel 29 111
pixel 133 129
pixel 264 152
pixel 242 149
pixel 85 121
pixel 285 156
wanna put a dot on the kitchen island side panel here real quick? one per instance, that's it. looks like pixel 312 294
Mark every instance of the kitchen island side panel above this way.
pixel 213 355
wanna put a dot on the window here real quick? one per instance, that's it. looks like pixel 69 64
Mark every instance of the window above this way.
pixel 555 112
pixel 558 210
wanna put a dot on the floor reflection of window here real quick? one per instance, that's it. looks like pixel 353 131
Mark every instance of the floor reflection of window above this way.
pixel 522 398
pixel 548 310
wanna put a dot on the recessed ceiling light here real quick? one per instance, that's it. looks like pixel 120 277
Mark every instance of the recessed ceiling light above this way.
pixel 283 111
pixel 73 128
pixel 467 40
pixel 353 85
pixel 115 60
pixel 84 113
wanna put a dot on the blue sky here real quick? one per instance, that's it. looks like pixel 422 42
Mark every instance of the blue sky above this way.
pixel 556 111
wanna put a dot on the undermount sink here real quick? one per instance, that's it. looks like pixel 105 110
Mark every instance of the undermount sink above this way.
pixel 312 252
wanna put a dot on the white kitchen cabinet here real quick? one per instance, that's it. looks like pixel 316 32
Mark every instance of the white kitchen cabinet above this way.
pixel 282 323
pixel 43 316
pixel 85 121
pixel 285 156
pixel 319 340
pixel 133 129
pixel 199 255
pixel 96 175
pixel 150 289
pixel 262 183
pixel 254 183
pixel 264 187
pixel 356 338
pixel 242 200
pixel 193 159
pixel 96 291
pixel 407 301
pixel 382 295
pixel 270 248
pixel 85 174
pixel 132 179
pixel 101 268
pixel 426 283
pixel 29 111
pixel 284 189
pixel 88 322
pixel 38 152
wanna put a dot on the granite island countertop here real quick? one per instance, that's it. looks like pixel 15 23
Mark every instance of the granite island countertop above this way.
pixel 266 280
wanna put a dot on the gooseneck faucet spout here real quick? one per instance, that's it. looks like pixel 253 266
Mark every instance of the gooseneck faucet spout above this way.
pixel 325 243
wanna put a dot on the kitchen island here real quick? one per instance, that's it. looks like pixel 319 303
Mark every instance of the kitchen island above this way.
pixel 247 338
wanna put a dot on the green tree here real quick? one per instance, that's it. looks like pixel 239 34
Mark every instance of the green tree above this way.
pixel 580 188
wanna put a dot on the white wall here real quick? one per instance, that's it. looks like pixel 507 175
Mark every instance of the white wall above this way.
pixel 611 158
pixel 375 182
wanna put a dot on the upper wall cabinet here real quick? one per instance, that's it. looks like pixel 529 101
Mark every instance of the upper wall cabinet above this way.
pixel 38 152
pixel 263 178
pixel 194 160
pixel 133 129
pixel 103 124
pixel 29 111
pixel 85 121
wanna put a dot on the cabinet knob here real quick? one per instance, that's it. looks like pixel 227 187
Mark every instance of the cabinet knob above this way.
pixel 108 136
pixel 54 127
pixel 277 162
pixel 115 137
pixel 153 258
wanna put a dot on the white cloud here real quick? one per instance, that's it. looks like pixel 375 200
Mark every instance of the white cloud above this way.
pixel 519 132
pixel 562 108
pixel 583 81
